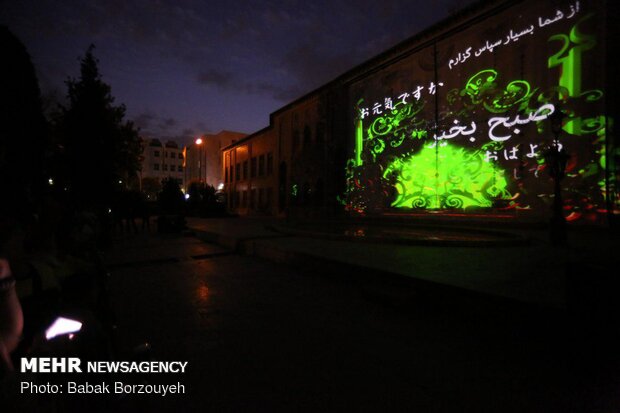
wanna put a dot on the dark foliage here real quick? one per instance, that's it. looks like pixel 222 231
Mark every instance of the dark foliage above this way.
pixel 23 132
pixel 151 186
pixel 203 200
pixel 171 199
pixel 99 150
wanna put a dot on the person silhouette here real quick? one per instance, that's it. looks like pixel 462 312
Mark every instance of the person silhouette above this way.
pixel 11 316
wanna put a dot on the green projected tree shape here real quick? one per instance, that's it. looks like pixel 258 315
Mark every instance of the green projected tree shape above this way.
pixel 453 177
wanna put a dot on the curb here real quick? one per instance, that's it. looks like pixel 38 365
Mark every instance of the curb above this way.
pixel 502 239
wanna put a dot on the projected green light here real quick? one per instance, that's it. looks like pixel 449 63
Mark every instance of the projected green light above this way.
pixel 480 144
pixel 359 143
pixel 394 127
pixel 453 178
pixel 482 89
pixel 570 58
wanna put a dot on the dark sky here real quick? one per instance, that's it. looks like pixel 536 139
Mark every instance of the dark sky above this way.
pixel 188 67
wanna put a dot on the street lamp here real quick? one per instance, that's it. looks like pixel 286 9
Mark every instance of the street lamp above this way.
pixel 199 143
pixel 556 159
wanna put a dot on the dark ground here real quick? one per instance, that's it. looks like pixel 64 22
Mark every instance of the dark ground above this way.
pixel 265 337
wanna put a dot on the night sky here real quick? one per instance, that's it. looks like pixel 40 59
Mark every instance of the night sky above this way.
pixel 185 68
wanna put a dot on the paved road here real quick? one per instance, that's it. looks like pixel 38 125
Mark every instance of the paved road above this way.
pixel 502 265
pixel 265 337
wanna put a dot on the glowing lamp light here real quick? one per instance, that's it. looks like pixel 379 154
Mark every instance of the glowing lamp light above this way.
pixel 198 141
pixel 62 326
pixel 186 196
pixel 50 181
pixel 220 186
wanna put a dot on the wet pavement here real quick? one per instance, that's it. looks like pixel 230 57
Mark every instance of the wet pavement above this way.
pixel 261 336
pixel 151 250
pixel 498 265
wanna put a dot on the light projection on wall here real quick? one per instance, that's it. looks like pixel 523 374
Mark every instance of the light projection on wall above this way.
pixel 513 35
pixel 481 145
pixel 461 179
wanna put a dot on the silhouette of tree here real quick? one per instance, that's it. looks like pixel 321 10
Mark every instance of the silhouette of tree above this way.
pixel 170 198
pixel 100 150
pixel 23 132
pixel 151 187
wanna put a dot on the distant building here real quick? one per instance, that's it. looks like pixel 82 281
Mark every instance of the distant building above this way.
pixel 161 161
pixel 203 159
pixel 249 175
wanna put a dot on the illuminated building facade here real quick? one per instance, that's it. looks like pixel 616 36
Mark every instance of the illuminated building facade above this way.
pixel 203 159
pixel 249 175
pixel 458 121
